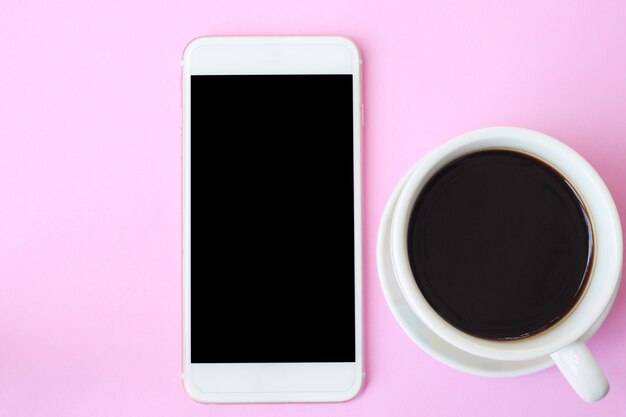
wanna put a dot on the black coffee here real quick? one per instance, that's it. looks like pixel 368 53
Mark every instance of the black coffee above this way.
pixel 500 245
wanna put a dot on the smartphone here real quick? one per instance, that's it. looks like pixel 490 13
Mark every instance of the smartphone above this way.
pixel 272 219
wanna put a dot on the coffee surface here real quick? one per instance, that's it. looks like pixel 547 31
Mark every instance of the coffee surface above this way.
pixel 500 245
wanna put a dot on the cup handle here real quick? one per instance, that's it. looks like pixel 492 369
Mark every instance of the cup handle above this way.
pixel 582 371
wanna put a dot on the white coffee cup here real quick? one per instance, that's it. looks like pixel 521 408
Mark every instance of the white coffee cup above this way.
pixel 563 340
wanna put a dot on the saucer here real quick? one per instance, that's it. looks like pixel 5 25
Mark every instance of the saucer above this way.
pixel 425 338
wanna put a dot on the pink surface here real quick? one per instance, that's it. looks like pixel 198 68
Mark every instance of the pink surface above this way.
pixel 90 313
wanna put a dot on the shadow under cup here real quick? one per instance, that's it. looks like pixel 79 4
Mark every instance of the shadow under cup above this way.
pixel 500 244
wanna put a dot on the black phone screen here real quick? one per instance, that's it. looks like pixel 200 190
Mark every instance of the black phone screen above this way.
pixel 272 219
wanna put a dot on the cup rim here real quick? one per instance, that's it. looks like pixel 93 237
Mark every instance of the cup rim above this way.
pixel 606 274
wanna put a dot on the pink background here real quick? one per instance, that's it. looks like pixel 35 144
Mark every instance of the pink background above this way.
pixel 90 314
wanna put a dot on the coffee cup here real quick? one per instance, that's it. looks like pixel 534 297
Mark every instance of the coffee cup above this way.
pixel 561 339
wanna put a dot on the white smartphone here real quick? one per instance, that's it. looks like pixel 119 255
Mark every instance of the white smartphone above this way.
pixel 272 219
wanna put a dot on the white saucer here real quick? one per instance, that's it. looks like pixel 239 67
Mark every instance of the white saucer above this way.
pixel 426 338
